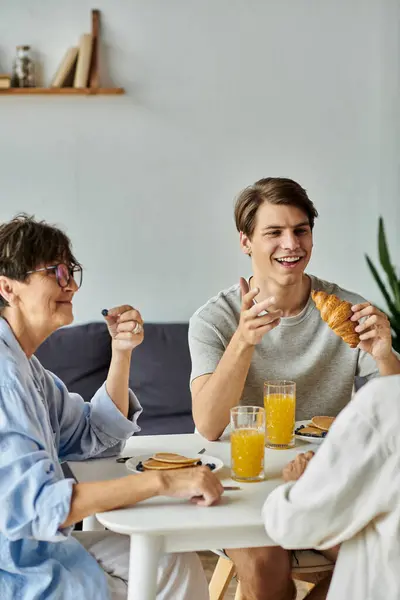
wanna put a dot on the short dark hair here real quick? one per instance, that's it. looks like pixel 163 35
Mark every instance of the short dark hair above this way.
pixel 26 243
pixel 275 190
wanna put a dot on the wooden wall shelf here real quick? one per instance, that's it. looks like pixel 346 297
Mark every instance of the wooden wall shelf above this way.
pixel 88 71
pixel 64 91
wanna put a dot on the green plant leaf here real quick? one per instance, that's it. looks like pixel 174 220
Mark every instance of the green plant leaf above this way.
pixel 394 281
pixel 396 340
pixel 394 325
pixel 395 313
pixel 386 263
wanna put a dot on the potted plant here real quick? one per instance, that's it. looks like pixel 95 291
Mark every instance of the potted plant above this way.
pixel 392 292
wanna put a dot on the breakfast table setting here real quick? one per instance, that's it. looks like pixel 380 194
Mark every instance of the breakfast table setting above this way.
pixel 249 473
pixel 248 459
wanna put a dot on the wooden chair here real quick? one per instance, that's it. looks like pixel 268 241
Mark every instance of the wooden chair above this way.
pixel 225 571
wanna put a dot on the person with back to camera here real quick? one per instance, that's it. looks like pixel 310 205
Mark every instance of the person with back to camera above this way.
pixel 268 327
pixel 349 495
pixel 42 423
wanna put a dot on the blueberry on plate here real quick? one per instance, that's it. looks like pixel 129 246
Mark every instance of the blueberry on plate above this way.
pixel 211 466
pixel 198 463
pixel 139 466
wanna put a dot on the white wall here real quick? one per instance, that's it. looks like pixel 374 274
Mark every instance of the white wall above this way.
pixel 219 94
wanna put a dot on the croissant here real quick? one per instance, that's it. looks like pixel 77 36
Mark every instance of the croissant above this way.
pixel 336 313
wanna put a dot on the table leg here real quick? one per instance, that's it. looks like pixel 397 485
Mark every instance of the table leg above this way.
pixel 145 552
pixel 92 524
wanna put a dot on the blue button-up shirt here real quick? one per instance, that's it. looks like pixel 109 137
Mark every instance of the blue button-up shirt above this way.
pixel 41 424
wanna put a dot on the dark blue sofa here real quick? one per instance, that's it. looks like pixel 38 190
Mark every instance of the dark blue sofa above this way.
pixel 160 370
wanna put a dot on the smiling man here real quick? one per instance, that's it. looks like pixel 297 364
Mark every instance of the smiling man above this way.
pixel 268 327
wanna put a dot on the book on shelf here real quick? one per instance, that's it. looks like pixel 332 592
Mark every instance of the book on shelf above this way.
pixel 5 81
pixel 67 67
pixel 83 63
pixel 94 62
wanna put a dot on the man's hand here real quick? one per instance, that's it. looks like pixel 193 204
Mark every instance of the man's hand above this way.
pixel 125 326
pixel 375 333
pixel 197 484
pixel 252 327
pixel 295 469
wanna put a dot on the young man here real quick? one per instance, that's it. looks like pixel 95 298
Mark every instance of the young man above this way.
pixel 269 328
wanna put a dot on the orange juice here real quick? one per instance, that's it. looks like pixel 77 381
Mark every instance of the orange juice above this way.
pixel 279 419
pixel 247 454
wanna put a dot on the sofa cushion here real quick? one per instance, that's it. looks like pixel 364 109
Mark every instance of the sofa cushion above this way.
pixel 79 356
pixel 165 425
pixel 160 370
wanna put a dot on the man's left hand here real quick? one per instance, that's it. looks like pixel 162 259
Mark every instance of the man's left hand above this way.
pixel 125 326
pixel 375 333
pixel 295 469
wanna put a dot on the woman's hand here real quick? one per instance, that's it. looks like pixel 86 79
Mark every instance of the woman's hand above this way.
pixel 197 484
pixel 295 469
pixel 125 326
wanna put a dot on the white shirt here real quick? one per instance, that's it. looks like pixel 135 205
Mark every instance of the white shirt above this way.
pixel 350 495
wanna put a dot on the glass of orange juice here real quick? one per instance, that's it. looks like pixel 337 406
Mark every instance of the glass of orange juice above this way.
pixel 247 443
pixel 280 409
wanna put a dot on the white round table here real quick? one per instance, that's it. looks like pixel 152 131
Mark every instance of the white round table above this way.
pixel 171 525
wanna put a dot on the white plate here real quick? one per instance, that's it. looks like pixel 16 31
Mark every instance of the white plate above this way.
pixel 205 458
pixel 307 438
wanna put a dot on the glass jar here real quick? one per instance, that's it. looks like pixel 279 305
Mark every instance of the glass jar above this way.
pixel 23 72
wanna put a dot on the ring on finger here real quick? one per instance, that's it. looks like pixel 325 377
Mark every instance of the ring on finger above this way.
pixel 137 329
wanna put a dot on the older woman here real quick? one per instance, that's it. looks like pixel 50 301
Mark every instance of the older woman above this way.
pixel 41 423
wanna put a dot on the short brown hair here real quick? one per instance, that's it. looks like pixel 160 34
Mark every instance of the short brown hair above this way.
pixel 275 190
pixel 26 243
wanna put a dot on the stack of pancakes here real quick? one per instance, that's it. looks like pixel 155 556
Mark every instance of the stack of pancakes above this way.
pixel 318 427
pixel 162 461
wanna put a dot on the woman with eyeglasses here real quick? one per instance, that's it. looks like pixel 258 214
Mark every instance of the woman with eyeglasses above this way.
pixel 42 424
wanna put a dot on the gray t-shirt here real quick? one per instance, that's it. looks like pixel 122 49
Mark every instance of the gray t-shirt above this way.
pixel 301 348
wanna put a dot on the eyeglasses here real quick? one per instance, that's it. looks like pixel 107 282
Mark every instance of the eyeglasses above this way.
pixel 63 274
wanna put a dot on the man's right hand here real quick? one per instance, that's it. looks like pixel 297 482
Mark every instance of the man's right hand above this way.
pixel 197 484
pixel 252 327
